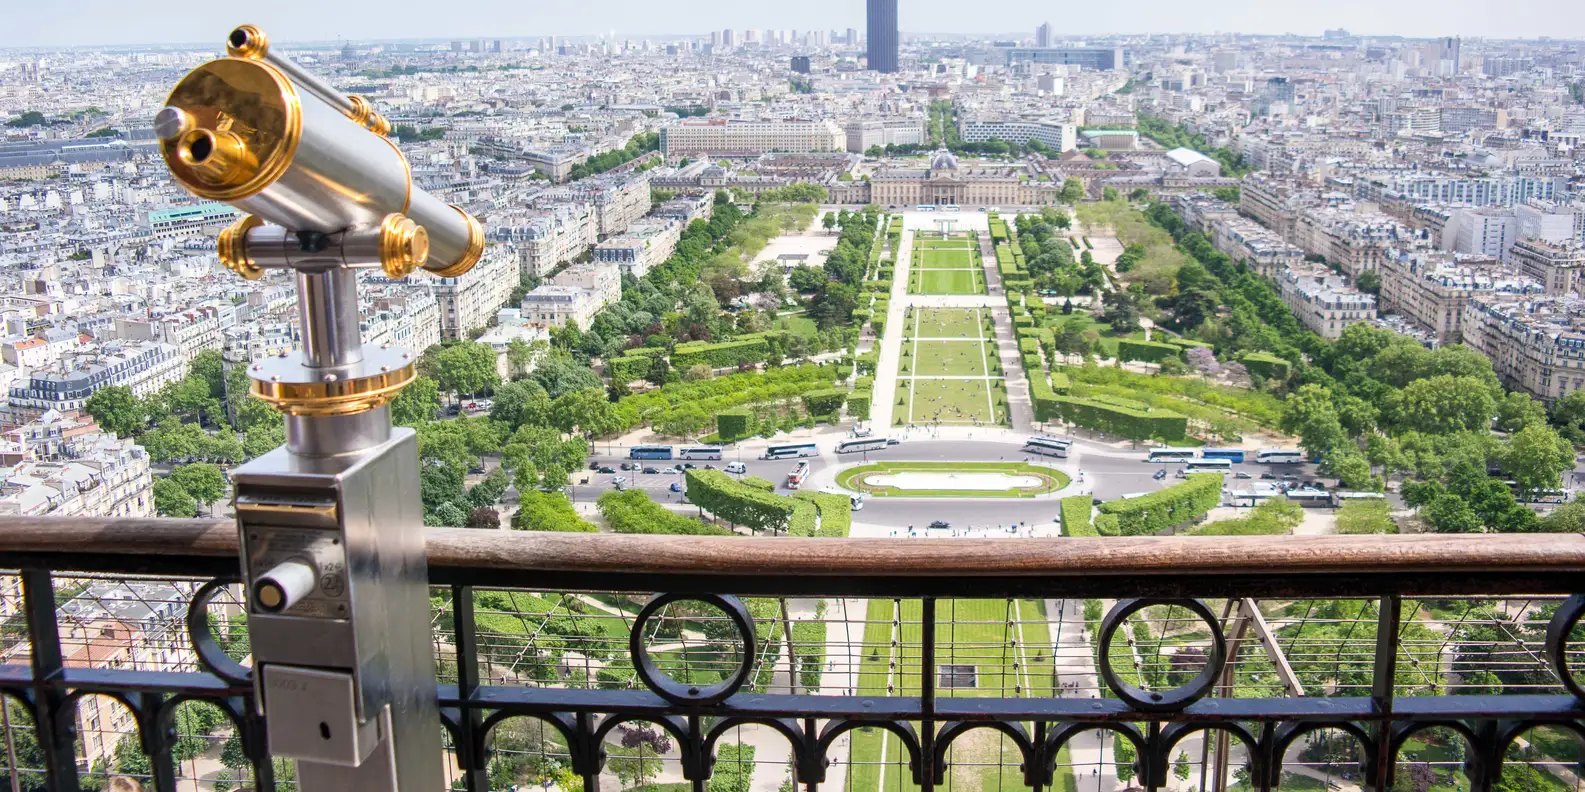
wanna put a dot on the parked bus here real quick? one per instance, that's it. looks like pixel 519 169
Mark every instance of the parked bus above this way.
pixel 1234 455
pixel 1279 456
pixel 649 452
pixel 1048 446
pixel 1209 465
pixel 791 451
pixel 1339 497
pixel 700 452
pixel 862 444
pixel 1309 498
pixel 926 207
pixel 795 479
pixel 1170 455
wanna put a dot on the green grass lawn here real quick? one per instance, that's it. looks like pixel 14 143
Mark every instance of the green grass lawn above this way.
pixel 956 281
pixel 940 258
pixel 945 323
pixel 950 401
pixel 852 479
pixel 1107 343
pixel 798 324
pixel 948 359
pixel 968 632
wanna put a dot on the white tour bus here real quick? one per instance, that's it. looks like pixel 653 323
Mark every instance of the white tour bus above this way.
pixel 791 451
pixel 1171 455
pixel 1048 446
pixel 863 444
pixel 700 452
pixel 1207 465
pixel 1279 456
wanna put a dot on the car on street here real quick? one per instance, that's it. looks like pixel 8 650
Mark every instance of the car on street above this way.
pixel 1182 473
pixel 940 524
pixel 671 471
pixel 652 471
pixel 687 466
pixel 1242 474
pixel 708 466
pixel 607 469
pixel 630 466
pixel 676 486
pixel 891 441
pixel 735 467
pixel 619 481
pixel 1268 477
pixel 1160 474
pixel 594 465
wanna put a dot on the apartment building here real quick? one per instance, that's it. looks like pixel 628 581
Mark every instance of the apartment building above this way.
pixel 1322 300
pixel 191 220
pixel 1251 243
pixel 144 367
pixel 602 278
pixel 1055 135
pixel 1536 344
pixel 1553 222
pixel 1355 243
pixel 555 306
pixel 469 300
pixel 1559 268
pixel 1503 191
pixel 1274 201
pixel 408 318
pixel 1199 210
pixel 719 136
pixel 66 466
pixel 1433 288
pixel 1487 231
pixel 552 236
pixel 641 247
pixel 687 208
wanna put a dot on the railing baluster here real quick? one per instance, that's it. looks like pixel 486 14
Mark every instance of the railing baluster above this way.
pixel 927 692
pixel 54 716
pixel 159 741
pixel 471 753
pixel 1385 671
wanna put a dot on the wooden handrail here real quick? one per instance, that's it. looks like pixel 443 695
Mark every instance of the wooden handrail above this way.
pixel 526 552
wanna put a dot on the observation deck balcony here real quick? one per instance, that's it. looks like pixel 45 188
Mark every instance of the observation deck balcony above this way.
pixel 1429 662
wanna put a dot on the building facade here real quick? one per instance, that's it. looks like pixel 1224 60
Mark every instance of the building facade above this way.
pixel 720 136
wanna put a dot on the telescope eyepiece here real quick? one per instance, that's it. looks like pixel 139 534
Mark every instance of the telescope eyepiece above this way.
pixel 247 41
pixel 216 157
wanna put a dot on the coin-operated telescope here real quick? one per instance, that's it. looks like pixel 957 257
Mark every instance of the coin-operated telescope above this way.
pixel 330 524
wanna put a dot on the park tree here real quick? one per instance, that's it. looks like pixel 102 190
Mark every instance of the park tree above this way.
pixel 1180 766
pixel 521 403
pixel 586 410
pixel 202 480
pixel 1568 415
pixel 1448 513
pixel 484 517
pixel 416 403
pixel 1519 410
pixel 804 278
pixel 830 220
pixel 659 370
pixel 1446 403
pixel 462 367
pixel 1124 757
pixel 519 355
pixel 172 499
pixel 1072 191
pixel 117 410
pixel 1536 457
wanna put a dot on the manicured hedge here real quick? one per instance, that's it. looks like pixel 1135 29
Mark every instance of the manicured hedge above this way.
pixel 1028 346
pixel 1025 321
pixel 836 512
pixel 1029 333
pixel 629 367
pixel 1146 351
pixel 1076 516
pixel 736 502
pixel 1158 511
pixel 734 424
pixel 1112 418
pixel 869 361
pixel 1060 383
pixel 1266 365
pixel 744 349
pixel 825 402
pixel 1041 396
pixel 859 405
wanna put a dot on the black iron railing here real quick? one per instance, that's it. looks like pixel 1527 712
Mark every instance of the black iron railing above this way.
pixel 891 657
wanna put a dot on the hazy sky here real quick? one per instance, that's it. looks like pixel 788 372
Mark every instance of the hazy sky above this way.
pixel 42 22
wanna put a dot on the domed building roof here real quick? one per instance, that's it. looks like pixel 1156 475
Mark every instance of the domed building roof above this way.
pixel 943 160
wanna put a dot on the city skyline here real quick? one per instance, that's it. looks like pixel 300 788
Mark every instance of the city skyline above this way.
pixel 100 23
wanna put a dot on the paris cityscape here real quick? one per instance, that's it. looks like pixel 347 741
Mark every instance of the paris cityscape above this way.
pixel 1007 293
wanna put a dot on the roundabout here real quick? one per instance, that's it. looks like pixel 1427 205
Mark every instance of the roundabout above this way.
pixel 903 479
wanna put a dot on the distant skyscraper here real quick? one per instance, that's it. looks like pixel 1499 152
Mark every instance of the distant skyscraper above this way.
pixel 881 20
pixel 728 38
pixel 852 37
pixel 1043 35
pixel 800 64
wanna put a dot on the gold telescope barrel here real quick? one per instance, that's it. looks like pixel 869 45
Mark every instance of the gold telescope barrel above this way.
pixel 241 131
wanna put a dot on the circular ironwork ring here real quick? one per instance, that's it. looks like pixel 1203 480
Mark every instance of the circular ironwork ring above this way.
pixel 677 692
pixel 1166 700
pixel 1557 631
pixel 210 655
